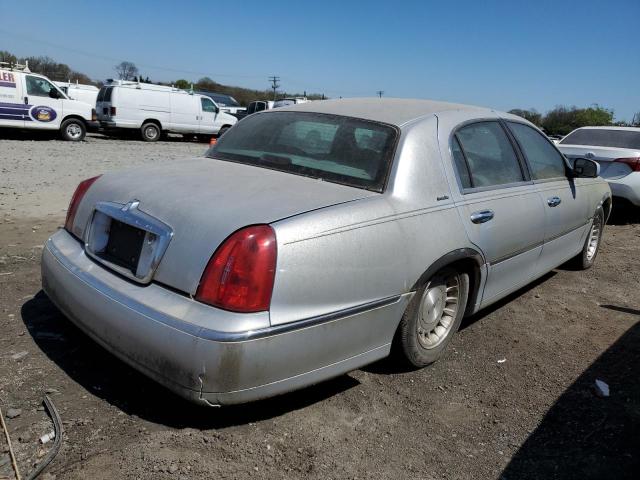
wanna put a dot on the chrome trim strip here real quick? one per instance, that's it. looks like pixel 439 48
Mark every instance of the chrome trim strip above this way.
pixel 565 232
pixel 206 333
pixel 509 256
pixel 536 245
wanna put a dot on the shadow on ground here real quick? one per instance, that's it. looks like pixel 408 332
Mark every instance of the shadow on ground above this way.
pixel 49 135
pixel 623 213
pixel 394 364
pixel 107 377
pixel 584 436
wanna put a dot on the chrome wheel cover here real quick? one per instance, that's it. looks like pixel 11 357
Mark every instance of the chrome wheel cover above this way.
pixel 594 238
pixel 151 132
pixel 438 310
pixel 74 130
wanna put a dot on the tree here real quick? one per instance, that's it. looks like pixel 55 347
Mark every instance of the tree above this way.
pixel 7 57
pixel 563 120
pixel 182 83
pixel 532 115
pixel 126 70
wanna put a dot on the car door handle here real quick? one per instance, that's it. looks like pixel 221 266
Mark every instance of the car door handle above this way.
pixel 554 201
pixel 482 216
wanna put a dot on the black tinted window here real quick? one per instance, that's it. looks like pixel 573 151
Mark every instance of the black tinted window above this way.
pixel 489 155
pixel 39 87
pixel 544 160
pixel 334 148
pixel 604 138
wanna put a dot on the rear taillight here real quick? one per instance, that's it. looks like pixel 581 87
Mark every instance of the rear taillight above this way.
pixel 75 201
pixel 634 163
pixel 112 111
pixel 94 116
pixel 239 277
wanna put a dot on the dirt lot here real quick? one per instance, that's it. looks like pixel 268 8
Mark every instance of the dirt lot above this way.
pixel 512 399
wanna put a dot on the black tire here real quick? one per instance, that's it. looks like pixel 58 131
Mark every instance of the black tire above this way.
pixel 73 130
pixel 587 257
pixel 150 132
pixel 222 131
pixel 412 343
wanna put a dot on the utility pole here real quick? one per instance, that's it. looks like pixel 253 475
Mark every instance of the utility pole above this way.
pixel 380 93
pixel 274 81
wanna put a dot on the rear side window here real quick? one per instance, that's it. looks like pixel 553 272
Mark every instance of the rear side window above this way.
pixel 488 154
pixel 603 137
pixel 461 164
pixel 544 160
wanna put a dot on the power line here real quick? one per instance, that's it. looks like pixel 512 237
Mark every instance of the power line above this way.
pixel 113 59
pixel 274 80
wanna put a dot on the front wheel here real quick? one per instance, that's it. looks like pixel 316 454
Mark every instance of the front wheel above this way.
pixel 587 257
pixel 222 131
pixel 73 130
pixel 150 132
pixel 433 316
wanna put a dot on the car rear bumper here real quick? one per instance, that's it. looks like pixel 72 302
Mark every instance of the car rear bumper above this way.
pixel 148 327
pixel 627 187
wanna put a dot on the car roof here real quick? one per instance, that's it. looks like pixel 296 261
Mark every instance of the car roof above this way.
pixel 629 129
pixel 394 111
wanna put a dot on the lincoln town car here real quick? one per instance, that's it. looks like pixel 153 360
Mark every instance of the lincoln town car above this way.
pixel 314 239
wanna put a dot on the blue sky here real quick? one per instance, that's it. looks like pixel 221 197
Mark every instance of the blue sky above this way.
pixel 502 54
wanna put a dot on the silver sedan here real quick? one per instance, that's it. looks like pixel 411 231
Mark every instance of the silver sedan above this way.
pixel 314 237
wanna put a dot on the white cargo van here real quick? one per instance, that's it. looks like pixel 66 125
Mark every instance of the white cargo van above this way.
pixel 32 101
pixel 157 109
pixel 80 91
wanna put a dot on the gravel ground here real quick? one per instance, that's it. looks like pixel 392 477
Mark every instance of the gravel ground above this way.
pixel 513 398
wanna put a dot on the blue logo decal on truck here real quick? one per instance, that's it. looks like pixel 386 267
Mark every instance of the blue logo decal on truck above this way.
pixel 42 113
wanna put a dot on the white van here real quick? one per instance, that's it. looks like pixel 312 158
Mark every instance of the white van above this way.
pixel 285 102
pixel 156 109
pixel 80 91
pixel 32 101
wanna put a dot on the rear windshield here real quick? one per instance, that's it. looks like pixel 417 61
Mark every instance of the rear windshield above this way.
pixel 283 103
pixel 603 138
pixel 333 148
pixel 104 95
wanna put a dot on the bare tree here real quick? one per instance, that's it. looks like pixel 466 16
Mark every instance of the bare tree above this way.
pixel 126 70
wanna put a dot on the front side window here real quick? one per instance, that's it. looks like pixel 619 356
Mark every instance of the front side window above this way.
pixel 39 87
pixel 488 154
pixel 603 137
pixel 208 105
pixel 333 148
pixel 544 160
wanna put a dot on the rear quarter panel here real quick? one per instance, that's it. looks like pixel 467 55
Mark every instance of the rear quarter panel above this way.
pixel 369 249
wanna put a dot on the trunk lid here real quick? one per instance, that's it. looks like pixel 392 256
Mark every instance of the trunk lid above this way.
pixel 206 200
pixel 605 156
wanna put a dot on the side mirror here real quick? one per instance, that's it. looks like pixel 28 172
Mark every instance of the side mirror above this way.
pixel 53 93
pixel 585 168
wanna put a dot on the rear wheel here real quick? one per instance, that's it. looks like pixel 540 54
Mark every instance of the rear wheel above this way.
pixel 150 132
pixel 587 257
pixel 73 130
pixel 433 316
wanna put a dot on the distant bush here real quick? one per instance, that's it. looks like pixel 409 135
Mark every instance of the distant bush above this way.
pixel 563 120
